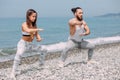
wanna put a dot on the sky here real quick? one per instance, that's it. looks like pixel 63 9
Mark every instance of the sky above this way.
pixel 57 8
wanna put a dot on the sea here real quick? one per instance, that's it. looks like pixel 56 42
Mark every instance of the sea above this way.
pixel 56 29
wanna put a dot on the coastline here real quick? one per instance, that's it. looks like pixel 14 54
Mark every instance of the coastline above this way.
pixel 54 51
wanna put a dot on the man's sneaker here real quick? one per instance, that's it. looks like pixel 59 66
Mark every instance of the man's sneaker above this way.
pixel 91 62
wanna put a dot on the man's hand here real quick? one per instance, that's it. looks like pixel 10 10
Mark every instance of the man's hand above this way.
pixel 83 34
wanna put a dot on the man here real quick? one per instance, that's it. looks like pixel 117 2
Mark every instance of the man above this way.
pixel 78 29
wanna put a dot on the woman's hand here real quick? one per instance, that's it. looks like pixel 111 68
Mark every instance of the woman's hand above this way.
pixel 39 39
pixel 40 29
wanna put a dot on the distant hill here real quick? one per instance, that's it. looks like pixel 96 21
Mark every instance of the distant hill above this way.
pixel 110 15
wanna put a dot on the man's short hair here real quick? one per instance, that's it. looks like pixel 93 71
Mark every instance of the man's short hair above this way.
pixel 75 9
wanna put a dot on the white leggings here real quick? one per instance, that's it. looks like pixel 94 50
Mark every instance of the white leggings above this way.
pixel 83 45
pixel 21 48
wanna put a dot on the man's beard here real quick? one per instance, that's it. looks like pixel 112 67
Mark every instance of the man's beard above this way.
pixel 80 19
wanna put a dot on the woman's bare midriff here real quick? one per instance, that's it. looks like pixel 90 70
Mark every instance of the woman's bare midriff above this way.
pixel 27 38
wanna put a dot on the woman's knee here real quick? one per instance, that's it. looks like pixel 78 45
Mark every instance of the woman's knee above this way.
pixel 19 54
pixel 18 57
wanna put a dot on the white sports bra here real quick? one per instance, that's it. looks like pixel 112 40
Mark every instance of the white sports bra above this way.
pixel 25 33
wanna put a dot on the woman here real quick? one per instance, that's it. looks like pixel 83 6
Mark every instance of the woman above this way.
pixel 29 31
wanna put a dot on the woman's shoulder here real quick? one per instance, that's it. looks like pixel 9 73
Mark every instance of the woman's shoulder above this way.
pixel 24 24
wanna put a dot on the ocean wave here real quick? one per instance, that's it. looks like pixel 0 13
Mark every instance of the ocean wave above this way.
pixel 7 51
pixel 105 40
pixel 97 41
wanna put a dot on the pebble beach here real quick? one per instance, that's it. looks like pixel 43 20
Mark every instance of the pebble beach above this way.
pixel 106 66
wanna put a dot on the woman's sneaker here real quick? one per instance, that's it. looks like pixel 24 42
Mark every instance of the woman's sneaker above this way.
pixel 13 76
